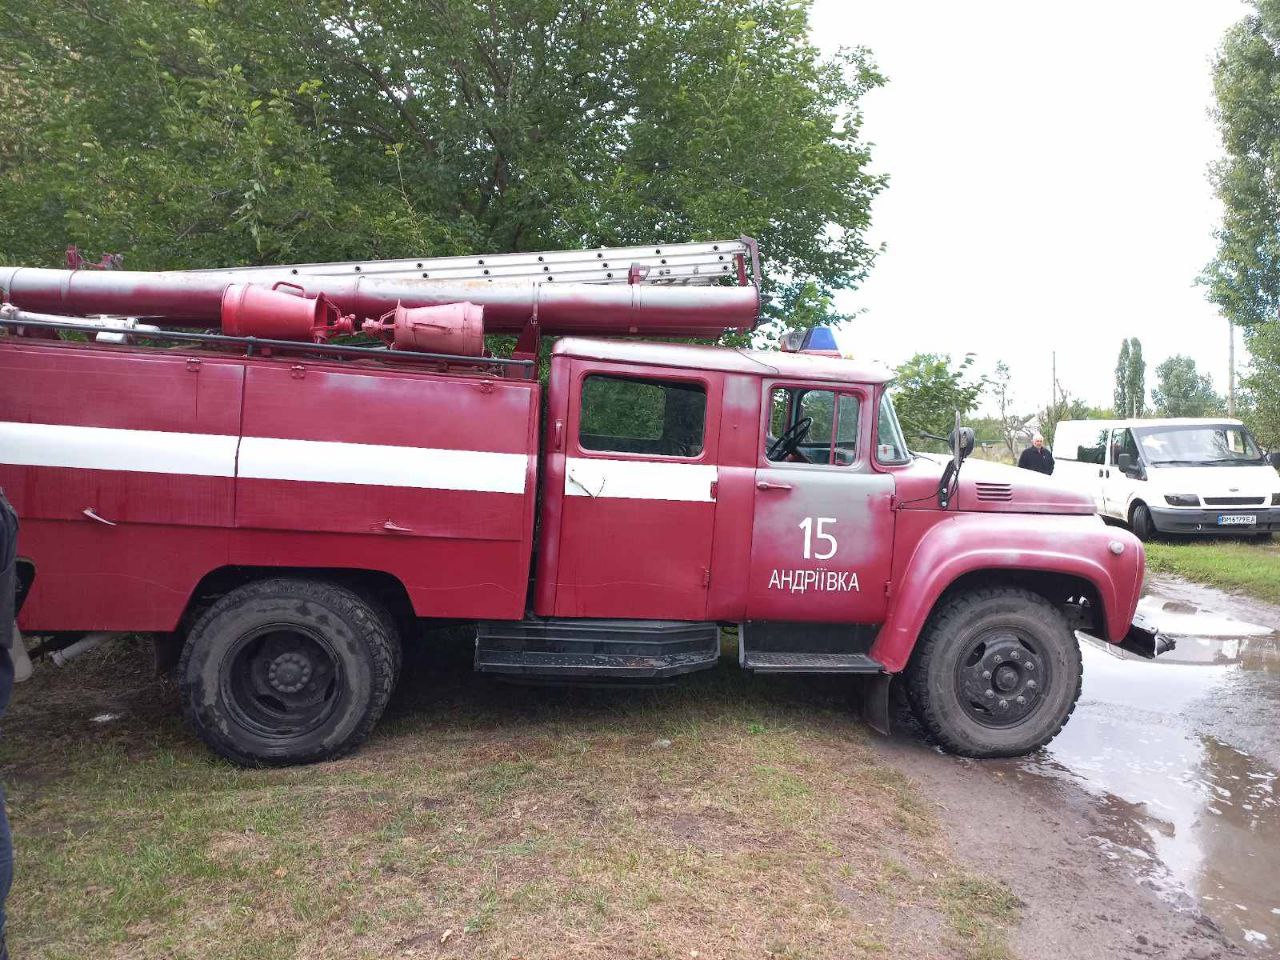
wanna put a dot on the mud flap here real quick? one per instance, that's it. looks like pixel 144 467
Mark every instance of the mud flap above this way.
pixel 1144 640
pixel 872 692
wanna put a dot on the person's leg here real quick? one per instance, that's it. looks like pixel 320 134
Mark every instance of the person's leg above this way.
pixel 6 840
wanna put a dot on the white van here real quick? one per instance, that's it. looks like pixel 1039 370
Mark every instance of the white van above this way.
pixel 1172 476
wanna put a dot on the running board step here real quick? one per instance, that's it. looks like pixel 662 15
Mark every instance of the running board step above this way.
pixel 621 649
pixel 767 661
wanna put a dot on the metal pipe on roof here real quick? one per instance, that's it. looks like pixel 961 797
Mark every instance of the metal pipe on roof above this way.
pixel 195 299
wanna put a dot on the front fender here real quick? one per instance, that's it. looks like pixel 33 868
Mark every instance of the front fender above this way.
pixel 963 543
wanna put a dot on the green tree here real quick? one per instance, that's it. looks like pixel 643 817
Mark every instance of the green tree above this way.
pixel 1181 391
pixel 1243 278
pixel 1258 397
pixel 204 133
pixel 1131 379
pixel 1007 422
pixel 1122 380
pixel 1064 407
pixel 1136 379
pixel 929 389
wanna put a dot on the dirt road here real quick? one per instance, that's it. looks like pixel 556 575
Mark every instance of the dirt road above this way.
pixel 1151 826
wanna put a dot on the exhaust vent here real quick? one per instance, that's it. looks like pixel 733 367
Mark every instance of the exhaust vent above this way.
pixel 999 492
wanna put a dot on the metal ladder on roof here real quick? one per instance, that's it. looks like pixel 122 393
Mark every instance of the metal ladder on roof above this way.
pixel 677 263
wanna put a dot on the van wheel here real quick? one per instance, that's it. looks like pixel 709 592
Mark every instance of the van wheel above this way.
pixel 996 673
pixel 284 671
pixel 1140 522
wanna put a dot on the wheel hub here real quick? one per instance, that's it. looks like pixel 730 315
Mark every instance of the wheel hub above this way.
pixel 289 672
pixel 1000 679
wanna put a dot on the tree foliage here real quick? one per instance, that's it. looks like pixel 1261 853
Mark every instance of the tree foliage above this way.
pixel 1181 391
pixel 1131 379
pixel 929 389
pixel 1065 407
pixel 1007 423
pixel 202 133
pixel 1244 276
pixel 1122 380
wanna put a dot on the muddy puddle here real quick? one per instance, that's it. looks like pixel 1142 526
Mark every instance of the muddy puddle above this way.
pixel 1181 756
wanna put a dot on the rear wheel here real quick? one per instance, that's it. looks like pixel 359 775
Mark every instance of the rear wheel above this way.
pixel 1140 522
pixel 287 671
pixel 996 673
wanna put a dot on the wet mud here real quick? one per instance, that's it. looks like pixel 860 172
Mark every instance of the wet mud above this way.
pixel 1151 825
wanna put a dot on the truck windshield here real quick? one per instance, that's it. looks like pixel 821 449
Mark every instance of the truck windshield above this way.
pixel 1211 445
pixel 890 447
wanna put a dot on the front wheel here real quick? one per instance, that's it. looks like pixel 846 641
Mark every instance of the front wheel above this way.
pixel 287 671
pixel 996 673
pixel 1140 522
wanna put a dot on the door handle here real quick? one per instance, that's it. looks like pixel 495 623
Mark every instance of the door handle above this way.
pixel 1099 471
pixel 92 515
pixel 766 485
pixel 392 527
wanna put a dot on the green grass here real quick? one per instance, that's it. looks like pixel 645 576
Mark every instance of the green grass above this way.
pixel 1251 568
pixel 725 815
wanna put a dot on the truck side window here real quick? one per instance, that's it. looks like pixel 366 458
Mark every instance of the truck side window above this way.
pixel 831 436
pixel 637 415
pixel 890 447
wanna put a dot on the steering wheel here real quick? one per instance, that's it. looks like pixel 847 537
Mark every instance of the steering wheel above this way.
pixel 790 440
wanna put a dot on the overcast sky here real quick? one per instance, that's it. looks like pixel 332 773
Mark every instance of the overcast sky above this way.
pixel 1048 185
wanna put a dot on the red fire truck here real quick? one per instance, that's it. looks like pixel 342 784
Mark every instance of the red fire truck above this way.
pixel 281 502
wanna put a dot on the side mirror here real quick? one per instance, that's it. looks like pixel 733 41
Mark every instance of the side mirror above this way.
pixel 962 441
pixel 1275 459
pixel 1125 462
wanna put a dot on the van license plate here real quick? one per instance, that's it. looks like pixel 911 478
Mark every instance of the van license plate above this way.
pixel 1237 519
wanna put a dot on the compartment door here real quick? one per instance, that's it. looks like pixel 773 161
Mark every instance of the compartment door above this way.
pixel 639 488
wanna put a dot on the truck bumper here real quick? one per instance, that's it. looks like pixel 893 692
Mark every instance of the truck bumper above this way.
pixel 1205 520
pixel 1144 640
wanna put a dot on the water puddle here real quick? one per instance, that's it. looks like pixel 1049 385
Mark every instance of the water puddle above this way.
pixel 1182 754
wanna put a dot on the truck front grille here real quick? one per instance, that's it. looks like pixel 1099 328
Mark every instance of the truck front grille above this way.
pixel 1233 501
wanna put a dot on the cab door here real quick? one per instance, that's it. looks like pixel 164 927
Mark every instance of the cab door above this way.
pixel 823 535
pixel 1117 486
pixel 637 500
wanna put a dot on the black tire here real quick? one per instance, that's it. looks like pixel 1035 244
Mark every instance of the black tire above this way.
pixel 1140 522
pixel 282 671
pixel 976 657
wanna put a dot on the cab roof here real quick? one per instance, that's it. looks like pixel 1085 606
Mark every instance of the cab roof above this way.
pixel 691 356
pixel 1148 422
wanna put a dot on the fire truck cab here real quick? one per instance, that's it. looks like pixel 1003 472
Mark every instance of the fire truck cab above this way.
pixel 284 520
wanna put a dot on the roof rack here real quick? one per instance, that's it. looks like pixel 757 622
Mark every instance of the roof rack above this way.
pixel 258 345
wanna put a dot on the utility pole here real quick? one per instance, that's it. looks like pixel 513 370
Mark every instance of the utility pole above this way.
pixel 1231 368
pixel 1054 374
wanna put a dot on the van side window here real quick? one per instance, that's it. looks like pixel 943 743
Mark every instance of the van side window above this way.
pixel 639 415
pixel 1122 442
pixel 1096 451
pixel 824 424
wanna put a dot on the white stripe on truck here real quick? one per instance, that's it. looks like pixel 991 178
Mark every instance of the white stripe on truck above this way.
pixel 639 479
pixel 109 448
pixel 265 458
pixel 321 461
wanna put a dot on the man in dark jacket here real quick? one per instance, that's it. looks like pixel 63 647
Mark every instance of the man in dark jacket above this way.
pixel 8 598
pixel 1037 457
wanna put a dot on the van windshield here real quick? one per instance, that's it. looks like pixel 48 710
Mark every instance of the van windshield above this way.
pixel 1223 445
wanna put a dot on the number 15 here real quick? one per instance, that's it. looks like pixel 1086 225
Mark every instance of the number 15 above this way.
pixel 808 525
